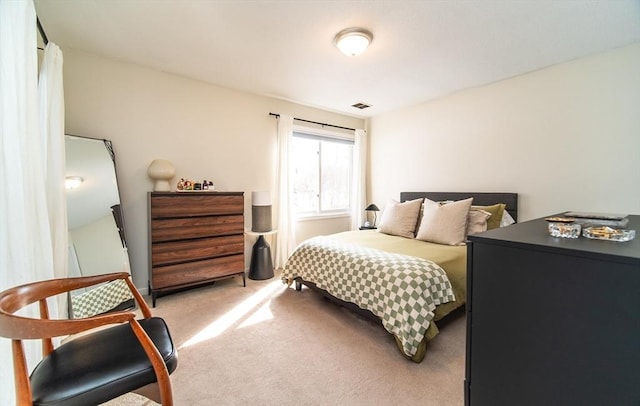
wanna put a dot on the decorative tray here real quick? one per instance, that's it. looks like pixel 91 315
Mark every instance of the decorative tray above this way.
pixel 608 233
pixel 559 219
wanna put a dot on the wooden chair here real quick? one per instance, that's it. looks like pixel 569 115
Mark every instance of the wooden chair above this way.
pixel 128 355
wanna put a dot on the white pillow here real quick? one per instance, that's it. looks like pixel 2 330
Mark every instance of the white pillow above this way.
pixel 400 218
pixel 506 219
pixel 446 224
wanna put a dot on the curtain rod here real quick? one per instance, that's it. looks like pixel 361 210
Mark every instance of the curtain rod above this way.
pixel 276 115
pixel 42 33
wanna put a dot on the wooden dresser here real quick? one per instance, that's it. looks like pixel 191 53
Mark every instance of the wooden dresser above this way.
pixel 194 238
pixel 552 321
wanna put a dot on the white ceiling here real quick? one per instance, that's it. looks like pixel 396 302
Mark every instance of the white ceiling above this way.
pixel 421 49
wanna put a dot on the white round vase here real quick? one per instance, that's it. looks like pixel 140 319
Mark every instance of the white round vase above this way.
pixel 161 171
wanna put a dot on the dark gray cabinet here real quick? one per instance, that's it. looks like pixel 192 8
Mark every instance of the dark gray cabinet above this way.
pixel 552 321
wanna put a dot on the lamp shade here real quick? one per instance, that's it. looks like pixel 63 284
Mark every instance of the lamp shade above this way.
pixel 372 207
pixel 262 198
pixel 261 211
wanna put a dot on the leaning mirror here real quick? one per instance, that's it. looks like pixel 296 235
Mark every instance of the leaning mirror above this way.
pixel 97 243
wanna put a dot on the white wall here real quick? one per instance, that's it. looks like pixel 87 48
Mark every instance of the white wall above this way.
pixel 565 138
pixel 98 247
pixel 206 132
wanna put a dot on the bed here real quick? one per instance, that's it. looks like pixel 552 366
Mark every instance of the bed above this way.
pixel 402 282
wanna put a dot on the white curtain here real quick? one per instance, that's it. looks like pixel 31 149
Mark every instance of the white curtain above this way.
pixel 26 250
pixel 51 110
pixel 285 237
pixel 359 186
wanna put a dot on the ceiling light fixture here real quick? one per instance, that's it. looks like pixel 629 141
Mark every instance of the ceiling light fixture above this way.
pixel 353 41
pixel 72 182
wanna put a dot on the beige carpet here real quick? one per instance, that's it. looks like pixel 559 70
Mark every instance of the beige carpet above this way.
pixel 269 345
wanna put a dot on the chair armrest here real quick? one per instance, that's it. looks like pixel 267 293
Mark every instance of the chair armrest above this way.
pixel 64 285
pixel 21 328
pixel 157 362
pixel 144 307
pixel 17 327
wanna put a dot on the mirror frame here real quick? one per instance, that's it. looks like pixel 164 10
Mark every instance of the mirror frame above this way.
pixel 117 291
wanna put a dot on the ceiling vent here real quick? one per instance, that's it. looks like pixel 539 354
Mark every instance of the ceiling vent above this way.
pixel 361 106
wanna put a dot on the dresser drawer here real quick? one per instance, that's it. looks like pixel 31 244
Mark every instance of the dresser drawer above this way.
pixel 201 204
pixel 197 271
pixel 195 227
pixel 192 250
pixel 194 237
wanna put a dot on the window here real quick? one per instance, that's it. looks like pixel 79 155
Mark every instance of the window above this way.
pixel 322 168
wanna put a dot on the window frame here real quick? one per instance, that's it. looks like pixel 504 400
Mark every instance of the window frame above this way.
pixel 338 136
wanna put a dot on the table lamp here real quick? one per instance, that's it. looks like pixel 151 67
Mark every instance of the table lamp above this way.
pixel 261 211
pixel 372 207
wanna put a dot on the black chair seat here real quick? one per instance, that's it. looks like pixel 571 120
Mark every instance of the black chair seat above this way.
pixel 89 370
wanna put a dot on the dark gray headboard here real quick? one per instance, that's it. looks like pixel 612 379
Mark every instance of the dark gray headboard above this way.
pixel 479 198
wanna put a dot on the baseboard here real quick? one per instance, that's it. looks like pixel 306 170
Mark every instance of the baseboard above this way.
pixel 143 291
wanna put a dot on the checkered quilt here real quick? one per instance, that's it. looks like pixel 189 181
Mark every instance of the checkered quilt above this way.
pixel 101 299
pixel 402 290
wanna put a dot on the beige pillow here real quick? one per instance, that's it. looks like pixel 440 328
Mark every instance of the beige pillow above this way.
pixel 400 218
pixel 446 224
pixel 496 211
pixel 477 221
